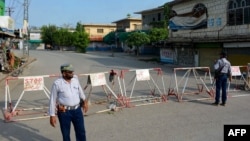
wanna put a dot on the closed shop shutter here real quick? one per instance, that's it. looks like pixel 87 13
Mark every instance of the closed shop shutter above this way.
pixel 239 56
pixel 185 56
pixel 208 53
pixel 207 56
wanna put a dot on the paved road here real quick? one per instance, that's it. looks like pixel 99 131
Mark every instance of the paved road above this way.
pixel 192 120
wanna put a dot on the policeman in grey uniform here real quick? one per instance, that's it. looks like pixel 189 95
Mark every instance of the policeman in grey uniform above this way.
pixel 223 71
pixel 67 100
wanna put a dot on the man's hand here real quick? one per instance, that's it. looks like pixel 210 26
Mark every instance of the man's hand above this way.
pixel 53 121
pixel 230 78
pixel 85 106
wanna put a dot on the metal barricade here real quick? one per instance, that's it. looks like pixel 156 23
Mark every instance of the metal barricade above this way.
pixel 199 81
pixel 156 89
pixel 239 81
pixel 32 86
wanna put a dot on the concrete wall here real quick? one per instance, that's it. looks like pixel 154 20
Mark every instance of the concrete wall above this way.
pixel 217 20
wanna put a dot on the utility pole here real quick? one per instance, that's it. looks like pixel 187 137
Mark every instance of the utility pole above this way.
pixel 9 11
pixel 26 10
pixel 25 27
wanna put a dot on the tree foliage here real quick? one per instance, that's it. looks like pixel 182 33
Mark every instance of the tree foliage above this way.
pixel 48 34
pixel 166 15
pixel 63 37
pixel 109 38
pixel 157 34
pixel 137 39
pixel 81 38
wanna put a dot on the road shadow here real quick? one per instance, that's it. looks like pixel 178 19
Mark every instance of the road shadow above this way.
pixel 17 131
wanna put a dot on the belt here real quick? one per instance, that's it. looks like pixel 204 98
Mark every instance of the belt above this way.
pixel 71 107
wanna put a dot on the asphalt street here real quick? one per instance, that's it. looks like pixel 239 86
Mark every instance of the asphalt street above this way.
pixel 192 119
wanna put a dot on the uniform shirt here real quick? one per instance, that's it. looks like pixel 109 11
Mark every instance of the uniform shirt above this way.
pixel 223 62
pixel 65 93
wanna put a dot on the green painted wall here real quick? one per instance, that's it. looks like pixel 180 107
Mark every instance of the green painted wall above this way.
pixel 2 7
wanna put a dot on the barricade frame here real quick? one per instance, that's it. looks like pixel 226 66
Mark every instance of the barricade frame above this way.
pixel 145 76
pixel 179 95
pixel 236 72
pixel 99 79
pixel 31 83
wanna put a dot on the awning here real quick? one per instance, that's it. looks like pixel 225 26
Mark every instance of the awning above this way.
pixel 237 45
pixel 35 41
pixel 6 34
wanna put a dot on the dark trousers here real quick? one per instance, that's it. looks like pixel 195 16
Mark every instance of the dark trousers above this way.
pixel 221 85
pixel 76 117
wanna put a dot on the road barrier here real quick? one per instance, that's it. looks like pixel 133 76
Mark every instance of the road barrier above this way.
pixel 120 98
pixel 239 79
pixel 124 88
pixel 247 83
pixel 189 72
pixel 12 111
pixel 156 89
pixel 98 79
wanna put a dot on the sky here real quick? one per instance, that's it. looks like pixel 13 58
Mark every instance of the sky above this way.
pixel 69 12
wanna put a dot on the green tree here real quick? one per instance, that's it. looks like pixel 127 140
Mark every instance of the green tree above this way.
pixel 137 39
pixel 109 38
pixel 56 36
pixel 64 38
pixel 160 30
pixel 48 34
pixel 157 34
pixel 81 38
pixel 166 15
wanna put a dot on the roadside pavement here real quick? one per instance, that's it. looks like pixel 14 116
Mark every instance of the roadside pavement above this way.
pixel 27 60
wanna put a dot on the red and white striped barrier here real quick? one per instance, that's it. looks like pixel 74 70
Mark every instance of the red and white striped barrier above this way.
pixel 200 82
pixel 239 80
pixel 30 84
pixel 157 91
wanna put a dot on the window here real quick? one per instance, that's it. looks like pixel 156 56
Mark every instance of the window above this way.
pixel 99 30
pixel 199 9
pixel 159 16
pixel 238 12
pixel 247 15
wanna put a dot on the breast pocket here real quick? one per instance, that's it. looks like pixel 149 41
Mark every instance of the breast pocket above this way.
pixel 64 92
pixel 75 89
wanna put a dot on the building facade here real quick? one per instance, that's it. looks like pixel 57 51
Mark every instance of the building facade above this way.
pixel 128 24
pixel 151 16
pixel 123 27
pixel 201 29
pixel 96 33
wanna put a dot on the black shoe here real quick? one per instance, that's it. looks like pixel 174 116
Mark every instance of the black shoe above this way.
pixel 223 104
pixel 215 104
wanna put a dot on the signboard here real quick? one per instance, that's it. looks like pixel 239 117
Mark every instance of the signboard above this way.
pixel 7 24
pixel 33 83
pixel 235 71
pixel 167 55
pixel 35 36
pixel 98 79
pixel 142 75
